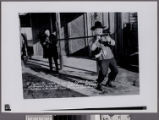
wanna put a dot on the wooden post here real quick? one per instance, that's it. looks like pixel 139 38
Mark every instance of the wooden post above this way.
pixel 58 26
pixel 85 28
pixel 51 24
pixel 109 20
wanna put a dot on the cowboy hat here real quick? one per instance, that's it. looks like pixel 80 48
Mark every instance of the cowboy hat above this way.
pixel 97 25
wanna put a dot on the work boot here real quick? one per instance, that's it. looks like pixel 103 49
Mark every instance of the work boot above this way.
pixel 50 70
pixel 99 87
pixel 57 70
pixel 109 84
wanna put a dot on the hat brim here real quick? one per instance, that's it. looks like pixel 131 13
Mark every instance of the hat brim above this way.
pixel 94 27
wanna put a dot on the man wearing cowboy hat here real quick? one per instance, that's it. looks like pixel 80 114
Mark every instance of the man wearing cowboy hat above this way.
pixel 100 47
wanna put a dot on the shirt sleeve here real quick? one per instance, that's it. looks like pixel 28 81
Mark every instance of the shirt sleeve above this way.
pixel 110 40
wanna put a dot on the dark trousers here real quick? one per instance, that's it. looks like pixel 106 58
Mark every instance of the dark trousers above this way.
pixel 103 70
pixel 55 61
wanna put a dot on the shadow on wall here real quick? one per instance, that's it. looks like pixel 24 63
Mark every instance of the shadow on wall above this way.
pixel 125 51
pixel 72 25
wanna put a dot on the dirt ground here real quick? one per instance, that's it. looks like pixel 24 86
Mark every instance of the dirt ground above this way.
pixel 39 82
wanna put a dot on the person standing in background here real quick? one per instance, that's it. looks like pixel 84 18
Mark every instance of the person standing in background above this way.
pixel 49 44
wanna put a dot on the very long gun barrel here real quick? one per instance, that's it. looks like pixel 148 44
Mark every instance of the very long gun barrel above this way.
pixel 73 38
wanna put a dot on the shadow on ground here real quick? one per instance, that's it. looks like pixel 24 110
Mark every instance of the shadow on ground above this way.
pixel 125 82
pixel 36 87
pixel 63 76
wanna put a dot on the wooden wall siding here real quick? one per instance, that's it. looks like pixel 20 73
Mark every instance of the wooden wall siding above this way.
pixel 96 17
pixel 86 28
pixel 64 34
pixel 28 32
pixel 106 21
pixel 63 42
pixel 77 29
pixel 73 26
pixel 89 25
pixel 118 37
pixel 125 19
pixel 79 24
pixel 112 22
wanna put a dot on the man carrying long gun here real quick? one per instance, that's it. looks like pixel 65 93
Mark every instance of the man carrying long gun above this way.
pixel 101 50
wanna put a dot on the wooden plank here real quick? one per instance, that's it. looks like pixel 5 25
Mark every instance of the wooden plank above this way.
pixel 58 28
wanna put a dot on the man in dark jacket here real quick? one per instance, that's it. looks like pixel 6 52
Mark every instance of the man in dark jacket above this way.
pixel 49 44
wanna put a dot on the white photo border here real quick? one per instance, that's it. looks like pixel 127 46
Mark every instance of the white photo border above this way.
pixel 12 90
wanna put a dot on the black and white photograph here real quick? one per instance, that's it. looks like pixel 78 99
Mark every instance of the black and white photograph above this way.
pixel 59 56
pixel 79 54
